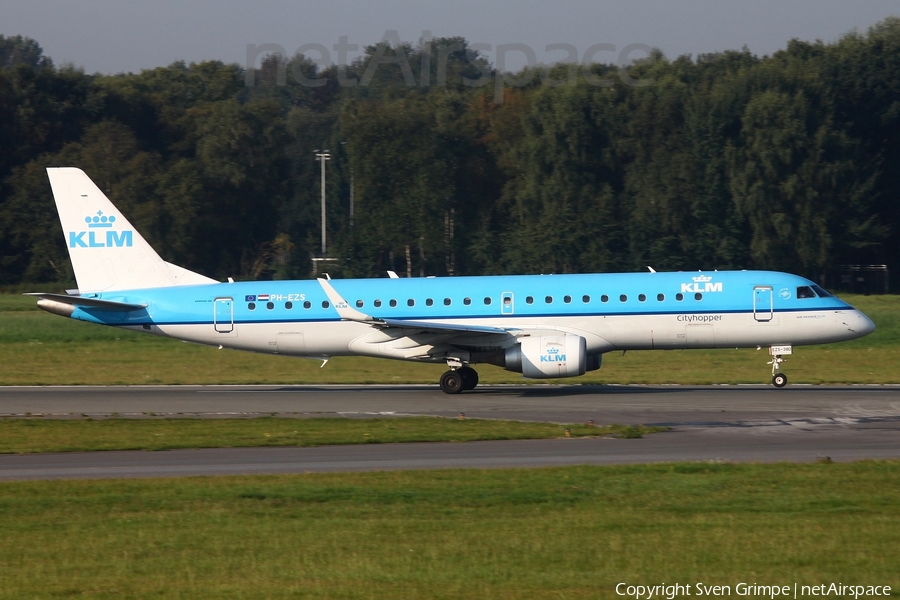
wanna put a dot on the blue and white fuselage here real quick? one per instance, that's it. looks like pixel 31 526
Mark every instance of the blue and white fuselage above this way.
pixel 540 325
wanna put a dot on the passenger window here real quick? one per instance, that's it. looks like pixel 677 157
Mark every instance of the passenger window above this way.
pixel 804 291
pixel 487 301
pixel 549 299
pixel 360 304
pixel 410 302
pixel 567 299
pixel 307 304
pixel 270 305
pixel 507 301
pixel 377 303
pixel 429 302
pixel 252 306
pixel 679 296
pixel 698 296
pixel 585 299
pixel 289 305
pixel 661 297
pixel 642 297
pixel 325 304
pixel 447 301
pixel 393 303
pixel 529 300
pixel 467 301
pixel 604 298
pixel 623 298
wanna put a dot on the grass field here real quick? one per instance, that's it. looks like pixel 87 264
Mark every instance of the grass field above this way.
pixel 21 436
pixel 560 533
pixel 37 348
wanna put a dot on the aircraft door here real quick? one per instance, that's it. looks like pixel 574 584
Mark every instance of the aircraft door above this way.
pixel 762 303
pixel 223 315
pixel 507 306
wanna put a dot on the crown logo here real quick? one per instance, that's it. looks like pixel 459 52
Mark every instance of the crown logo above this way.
pixel 100 220
pixel 702 279
pixel 552 350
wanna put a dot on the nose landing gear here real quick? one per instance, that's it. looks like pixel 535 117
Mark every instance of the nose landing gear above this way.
pixel 779 379
pixel 459 380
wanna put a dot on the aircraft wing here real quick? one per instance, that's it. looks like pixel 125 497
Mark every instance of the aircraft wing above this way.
pixel 443 327
pixel 88 302
pixel 351 314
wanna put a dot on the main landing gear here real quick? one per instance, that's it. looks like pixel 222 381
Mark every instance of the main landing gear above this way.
pixel 459 380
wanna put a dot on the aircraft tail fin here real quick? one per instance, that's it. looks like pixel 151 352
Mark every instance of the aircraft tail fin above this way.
pixel 107 252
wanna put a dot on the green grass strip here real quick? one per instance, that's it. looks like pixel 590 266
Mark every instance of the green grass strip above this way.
pixel 571 533
pixel 22 436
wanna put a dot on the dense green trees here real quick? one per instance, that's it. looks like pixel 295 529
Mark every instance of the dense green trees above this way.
pixel 727 161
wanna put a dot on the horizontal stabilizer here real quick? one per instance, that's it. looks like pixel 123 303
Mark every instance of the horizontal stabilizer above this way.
pixel 89 302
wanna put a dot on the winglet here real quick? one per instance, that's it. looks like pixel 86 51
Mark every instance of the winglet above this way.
pixel 342 306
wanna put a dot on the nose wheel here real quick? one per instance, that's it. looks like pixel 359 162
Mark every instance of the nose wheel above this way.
pixel 459 380
pixel 779 379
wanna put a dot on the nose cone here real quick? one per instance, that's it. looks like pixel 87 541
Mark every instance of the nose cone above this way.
pixel 863 325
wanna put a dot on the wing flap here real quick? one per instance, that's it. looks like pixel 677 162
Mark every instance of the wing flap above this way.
pixel 443 327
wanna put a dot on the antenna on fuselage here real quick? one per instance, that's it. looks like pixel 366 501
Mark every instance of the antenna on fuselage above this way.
pixel 393 275
pixel 652 270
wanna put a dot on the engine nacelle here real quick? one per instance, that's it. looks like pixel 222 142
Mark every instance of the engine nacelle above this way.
pixel 549 356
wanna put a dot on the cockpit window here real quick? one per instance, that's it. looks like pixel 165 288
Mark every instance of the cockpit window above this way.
pixel 804 291
pixel 821 292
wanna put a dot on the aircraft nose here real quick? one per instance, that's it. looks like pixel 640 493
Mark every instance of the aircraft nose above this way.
pixel 864 325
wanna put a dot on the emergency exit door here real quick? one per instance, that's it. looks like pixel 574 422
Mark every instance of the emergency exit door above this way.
pixel 223 315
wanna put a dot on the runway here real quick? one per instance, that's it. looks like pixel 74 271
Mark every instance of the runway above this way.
pixel 729 423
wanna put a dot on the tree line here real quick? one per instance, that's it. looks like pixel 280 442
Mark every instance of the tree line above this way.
pixel 723 161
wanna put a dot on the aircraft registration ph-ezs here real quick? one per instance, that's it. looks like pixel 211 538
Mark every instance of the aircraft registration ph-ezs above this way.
pixel 543 326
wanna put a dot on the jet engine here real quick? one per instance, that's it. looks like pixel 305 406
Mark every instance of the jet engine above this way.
pixel 550 356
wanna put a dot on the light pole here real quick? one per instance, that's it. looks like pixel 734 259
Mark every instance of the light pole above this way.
pixel 344 143
pixel 322 156
pixel 351 197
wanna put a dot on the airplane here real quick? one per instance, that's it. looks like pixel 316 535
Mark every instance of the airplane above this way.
pixel 542 326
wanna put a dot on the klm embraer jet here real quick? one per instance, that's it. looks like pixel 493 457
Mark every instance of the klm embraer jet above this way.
pixel 543 326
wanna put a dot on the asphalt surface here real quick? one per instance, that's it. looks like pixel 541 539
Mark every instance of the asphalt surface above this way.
pixel 728 423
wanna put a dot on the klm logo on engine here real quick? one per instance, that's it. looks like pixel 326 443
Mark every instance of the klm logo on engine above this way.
pixel 96 238
pixel 702 283
pixel 553 356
